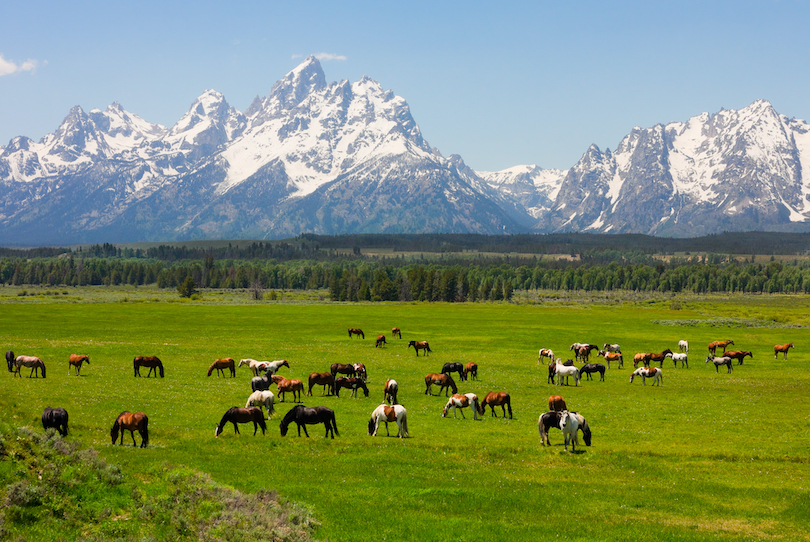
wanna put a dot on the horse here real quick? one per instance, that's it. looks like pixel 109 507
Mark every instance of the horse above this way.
pixel 583 352
pixel 29 361
pixel 420 345
pixel 569 425
pixel 460 402
pixel 683 358
pixel 255 366
pixel 683 346
pixel 471 371
pixel 351 383
pixel 56 418
pixel 565 371
pixel 152 362
pixel 738 355
pixel 76 360
pixel 343 368
pixel 262 398
pixel 360 371
pixel 289 386
pixel 322 379
pixel 272 367
pixel 660 357
pixel 448 368
pixel 261 383
pixel 395 332
pixel 390 391
pixel 302 416
pixel 221 364
pixel 641 357
pixel 545 353
pixel 127 421
pixel 10 360
pixel 444 381
pixel 718 361
pixel 589 368
pixel 648 372
pixel 612 356
pixel 354 331
pixel 380 341
pixel 237 415
pixel 714 345
pixel 552 419
pixel 385 413
pixel 782 348
pixel 497 398
pixel 552 369
pixel 615 348
pixel 556 403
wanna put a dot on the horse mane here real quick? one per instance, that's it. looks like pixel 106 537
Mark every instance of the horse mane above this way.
pixel 226 417
pixel 160 366
pixel 211 368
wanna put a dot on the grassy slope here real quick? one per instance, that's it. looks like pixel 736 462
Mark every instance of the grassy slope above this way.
pixel 706 455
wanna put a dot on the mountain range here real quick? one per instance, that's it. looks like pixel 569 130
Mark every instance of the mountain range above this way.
pixel 345 157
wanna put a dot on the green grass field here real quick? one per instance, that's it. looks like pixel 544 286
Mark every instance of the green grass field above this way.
pixel 706 456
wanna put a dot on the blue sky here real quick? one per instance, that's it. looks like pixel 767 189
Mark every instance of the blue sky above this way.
pixel 500 83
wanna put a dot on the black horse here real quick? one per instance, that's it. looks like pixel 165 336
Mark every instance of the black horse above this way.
pixel 10 360
pixel 552 419
pixel 448 368
pixel 303 415
pixel 237 415
pixel 56 418
pixel 593 368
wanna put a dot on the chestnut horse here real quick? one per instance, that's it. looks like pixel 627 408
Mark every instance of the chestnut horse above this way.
pixel 29 361
pixel 497 398
pixel 351 383
pixel 612 356
pixel 152 362
pixel 380 341
pixel 221 364
pixel 322 379
pixel 556 403
pixel 236 415
pixel 420 345
pixel 738 355
pixel 386 414
pixel 56 418
pixel 641 357
pixel 343 368
pixel 782 348
pixel 288 386
pixel 395 332
pixel 582 353
pixel 390 391
pixel 445 382
pixel 714 345
pixel 76 360
pixel 127 421
pixel 471 371
pixel 354 331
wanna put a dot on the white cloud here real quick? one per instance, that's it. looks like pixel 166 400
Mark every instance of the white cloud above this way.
pixel 329 56
pixel 8 67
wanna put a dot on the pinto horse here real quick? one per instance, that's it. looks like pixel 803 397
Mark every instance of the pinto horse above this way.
pixel 395 332
pixel 237 415
pixel 390 391
pixel 56 418
pixel 448 368
pixel 545 353
pixel 262 398
pixel 782 348
pixel 354 331
pixel 76 360
pixel 683 346
pixel 471 371
pixel 351 383
pixel 380 341
pixel 343 368
pixel 445 382
pixel 648 372
pixel 153 362
pixel 682 357
pixel 615 348
pixel 459 402
pixel 322 379
pixel 556 403
pixel 612 356
pixel 552 419
pixel 221 364
pixel 296 387
pixel 302 416
pixel 714 345
pixel 497 398
pixel 386 414
pixel 360 371
pixel 583 352
pixel 718 361
pixel 127 421
pixel 10 360
pixel 29 361
pixel 589 368
pixel 420 345
pixel 738 355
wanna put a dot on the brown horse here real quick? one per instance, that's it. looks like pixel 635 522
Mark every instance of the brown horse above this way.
pixel 29 361
pixel 641 357
pixel 221 364
pixel 152 362
pixel 420 345
pixel 237 415
pixel 395 332
pixel 10 360
pixel 354 331
pixel 322 379
pixel 782 348
pixel 582 353
pixel 714 345
pixel 471 371
pixel 660 357
pixel 556 403
pixel 445 382
pixel 612 356
pixel 76 360
pixel 127 421
pixel 738 355
pixel 352 383
pixel 292 386
pixel 497 398
pixel 380 341
pixel 343 368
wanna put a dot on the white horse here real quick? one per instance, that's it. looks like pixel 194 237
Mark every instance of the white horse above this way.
pixel 613 348
pixel 255 366
pixel 718 361
pixel 385 413
pixel 652 372
pixel 545 353
pixel 683 346
pixel 460 402
pixel 566 370
pixel 569 424
pixel 262 398
pixel 679 357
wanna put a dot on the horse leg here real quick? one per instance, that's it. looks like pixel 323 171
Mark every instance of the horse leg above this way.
pixel 236 428
pixel 132 434
pixel 305 430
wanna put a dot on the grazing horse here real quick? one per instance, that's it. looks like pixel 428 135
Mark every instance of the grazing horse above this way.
pixel 302 416
pixel 782 348
pixel 380 341
pixel 445 382
pixel 714 345
pixel 390 391
pixel 294 386
pixel 360 371
pixel 262 398
pixel 648 372
pixel 589 368
pixel 56 418
pixel 153 362
pixel 563 371
pixel 10 360
pixel 660 357
pixel 237 415
pixel 556 403
pixel 643 358
pixel 351 383
pixel 615 348
pixel 385 414
pixel 738 355
pixel 354 331
pixel 471 371
pixel 255 366
pixel 395 332
pixel 221 364
pixel 569 424
pixel 76 360
pixel 127 421
pixel 460 402
pixel 552 419
pixel 322 379
pixel 683 358
pixel 420 345
pixel 448 368
pixel 261 383
pixel 29 361
pixel 612 356
pixel 718 361
pixel 545 353
pixel 343 368
pixel 497 398
pixel 582 353
pixel 683 346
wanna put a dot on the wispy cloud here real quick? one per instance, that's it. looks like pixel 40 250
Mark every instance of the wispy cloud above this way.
pixel 8 67
pixel 323 56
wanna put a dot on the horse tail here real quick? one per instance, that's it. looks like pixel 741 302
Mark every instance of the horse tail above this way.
pixel 160 366
pixel 261 423
pixel 509 405
pixel 268 404
pixel 334 424
pixel 145 431
pixel 135 365
pixel 405 432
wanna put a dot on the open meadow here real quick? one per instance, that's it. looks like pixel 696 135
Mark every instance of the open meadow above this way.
pixel 705 456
